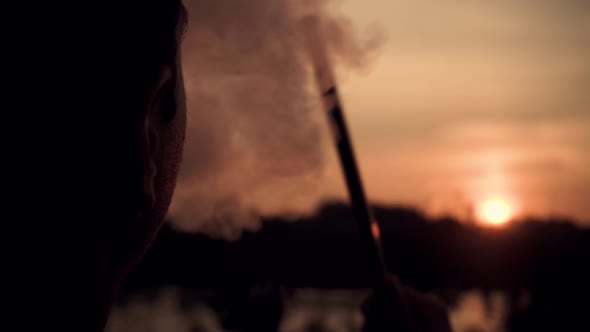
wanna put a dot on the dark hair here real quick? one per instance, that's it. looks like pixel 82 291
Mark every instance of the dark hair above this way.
pixel 148 37
pixel 77 78
pixel 105 45
pixel 160 29
pixel 74 74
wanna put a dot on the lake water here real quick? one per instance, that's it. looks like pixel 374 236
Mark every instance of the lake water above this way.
pixel 165 310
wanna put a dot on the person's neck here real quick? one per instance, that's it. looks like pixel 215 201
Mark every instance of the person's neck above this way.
pixel 67 294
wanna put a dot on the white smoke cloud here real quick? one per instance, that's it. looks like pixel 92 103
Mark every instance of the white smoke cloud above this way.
pixel 256 137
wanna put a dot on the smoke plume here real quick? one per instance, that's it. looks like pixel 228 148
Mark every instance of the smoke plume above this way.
pixel 256 137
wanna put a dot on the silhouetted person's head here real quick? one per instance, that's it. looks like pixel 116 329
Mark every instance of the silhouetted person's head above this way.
pixel 101 91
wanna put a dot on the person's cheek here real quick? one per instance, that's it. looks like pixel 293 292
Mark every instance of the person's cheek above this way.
pixel 174 131
pixel 180 95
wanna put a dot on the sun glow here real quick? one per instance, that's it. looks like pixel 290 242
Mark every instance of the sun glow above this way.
pixel 495 212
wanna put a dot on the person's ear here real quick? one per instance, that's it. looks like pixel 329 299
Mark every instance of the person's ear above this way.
pixel 152 128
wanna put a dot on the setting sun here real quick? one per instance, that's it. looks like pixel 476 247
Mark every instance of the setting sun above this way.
pixel 496 212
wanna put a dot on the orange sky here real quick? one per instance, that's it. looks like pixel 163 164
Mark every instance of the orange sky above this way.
pixel 467 102
pixel 475 100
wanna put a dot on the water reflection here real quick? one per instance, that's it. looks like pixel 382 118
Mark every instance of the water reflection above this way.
pixel 476 312
pixel 168 310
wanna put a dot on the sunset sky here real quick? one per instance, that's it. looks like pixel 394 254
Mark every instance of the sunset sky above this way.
pixel 472 108
pixel 470 101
